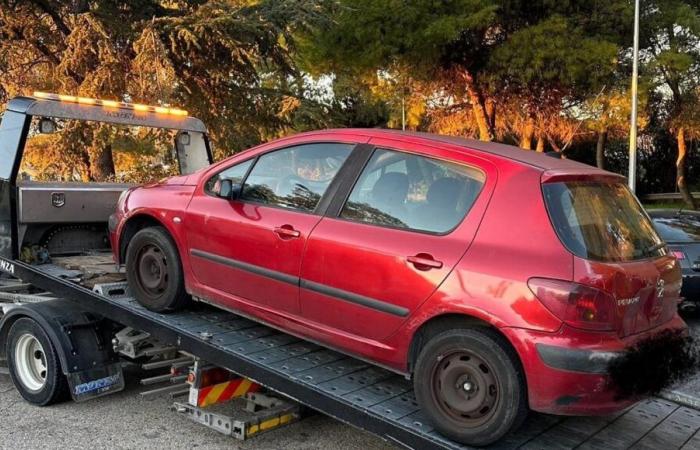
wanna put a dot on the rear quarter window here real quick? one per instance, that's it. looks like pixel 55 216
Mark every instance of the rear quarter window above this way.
pixel 601 221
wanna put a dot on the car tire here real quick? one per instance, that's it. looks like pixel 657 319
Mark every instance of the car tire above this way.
pixel 154 271
pixel 470 385
pixel 34 366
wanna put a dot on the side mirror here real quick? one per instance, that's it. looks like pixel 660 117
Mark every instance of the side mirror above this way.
pixel 47 126
pixel 230 190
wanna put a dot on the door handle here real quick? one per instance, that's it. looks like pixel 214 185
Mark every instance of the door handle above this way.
pixel 287 232
pixel 424 261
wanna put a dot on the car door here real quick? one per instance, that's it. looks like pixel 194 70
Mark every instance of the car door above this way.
pixel 369 264
pixel 251 247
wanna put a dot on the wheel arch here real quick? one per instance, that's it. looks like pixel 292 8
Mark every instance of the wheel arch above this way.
pixel 438 323
pixel 132 225
pixel 51 328
pixel 80 339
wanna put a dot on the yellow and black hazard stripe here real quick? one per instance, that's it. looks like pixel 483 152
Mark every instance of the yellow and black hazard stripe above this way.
pixel 271 423
pixel 222 392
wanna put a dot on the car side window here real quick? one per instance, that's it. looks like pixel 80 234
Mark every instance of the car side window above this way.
pixel 234 173
pixel 295 177
pixel 404 190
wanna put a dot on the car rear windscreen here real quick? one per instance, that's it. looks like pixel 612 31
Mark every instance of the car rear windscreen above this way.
pixel 601 221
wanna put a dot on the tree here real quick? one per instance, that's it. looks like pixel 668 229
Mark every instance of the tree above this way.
pixel 607 115
pixel 225 61
pixel 430 41
pixel 672 55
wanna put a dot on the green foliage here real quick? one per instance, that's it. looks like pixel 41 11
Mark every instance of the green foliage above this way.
pixel 546 74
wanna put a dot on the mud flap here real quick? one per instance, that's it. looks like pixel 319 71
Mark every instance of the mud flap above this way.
pixel 93 383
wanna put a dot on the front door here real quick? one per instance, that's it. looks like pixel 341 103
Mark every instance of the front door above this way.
pixel 251 248
pixel 392 243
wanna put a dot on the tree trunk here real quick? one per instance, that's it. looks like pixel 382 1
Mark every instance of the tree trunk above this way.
pixel 491 114
pixel 527 134
pixel 680 170
pixel 101 163
pixel 478 107
pixel 600 149
pixel 540 143
pixel 83 168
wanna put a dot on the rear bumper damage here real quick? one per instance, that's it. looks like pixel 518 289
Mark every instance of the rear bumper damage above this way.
pixel 574 372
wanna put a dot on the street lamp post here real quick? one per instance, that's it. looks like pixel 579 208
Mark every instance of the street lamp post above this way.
pixel 632 175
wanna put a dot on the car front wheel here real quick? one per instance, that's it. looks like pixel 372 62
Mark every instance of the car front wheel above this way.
pixel 470 385
pixel 154 271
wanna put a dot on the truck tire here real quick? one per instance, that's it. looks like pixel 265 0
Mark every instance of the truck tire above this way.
pixel 34 366
pixel 470 385
pixel 154 271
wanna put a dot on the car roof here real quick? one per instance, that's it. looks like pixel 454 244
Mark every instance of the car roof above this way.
pixel 509 152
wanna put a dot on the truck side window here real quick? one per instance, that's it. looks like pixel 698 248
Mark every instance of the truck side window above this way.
pixel 234 173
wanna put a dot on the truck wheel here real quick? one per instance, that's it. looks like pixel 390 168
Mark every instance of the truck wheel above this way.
pixel 34 365
pixel 154 271
pixel 470 385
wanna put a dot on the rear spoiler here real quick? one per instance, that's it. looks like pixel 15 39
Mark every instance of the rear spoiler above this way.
pixel 594 174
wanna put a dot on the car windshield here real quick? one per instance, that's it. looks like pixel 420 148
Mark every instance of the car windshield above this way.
pixel 678 229
pixel 601 221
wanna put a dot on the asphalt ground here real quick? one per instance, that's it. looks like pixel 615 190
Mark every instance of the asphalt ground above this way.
pixel 129 420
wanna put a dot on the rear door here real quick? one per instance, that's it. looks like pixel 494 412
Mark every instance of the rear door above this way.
pixel 383 250
pixel 251 248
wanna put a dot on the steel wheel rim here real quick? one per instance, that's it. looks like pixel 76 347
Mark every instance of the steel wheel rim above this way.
pixel 152 270
pixel 465 388
pixel 30 363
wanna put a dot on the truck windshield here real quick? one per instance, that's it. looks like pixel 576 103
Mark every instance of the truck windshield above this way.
pixel 601 221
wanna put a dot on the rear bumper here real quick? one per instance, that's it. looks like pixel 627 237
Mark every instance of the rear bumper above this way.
pixel 573 372
pixel 576 360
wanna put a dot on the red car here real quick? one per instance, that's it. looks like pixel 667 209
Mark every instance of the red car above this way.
pixel 500 280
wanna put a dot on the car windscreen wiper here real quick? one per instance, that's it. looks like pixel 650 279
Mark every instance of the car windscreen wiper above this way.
pixel 653 248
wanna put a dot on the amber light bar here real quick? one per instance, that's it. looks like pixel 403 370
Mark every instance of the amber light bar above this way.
pixel 110 103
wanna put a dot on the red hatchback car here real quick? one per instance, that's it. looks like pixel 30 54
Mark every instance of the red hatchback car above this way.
pixel 500 280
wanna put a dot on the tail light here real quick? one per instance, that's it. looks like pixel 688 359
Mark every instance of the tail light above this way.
pixel 575 304
pixel 679 255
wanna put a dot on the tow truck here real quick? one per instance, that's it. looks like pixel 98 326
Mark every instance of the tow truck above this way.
pixel 69 324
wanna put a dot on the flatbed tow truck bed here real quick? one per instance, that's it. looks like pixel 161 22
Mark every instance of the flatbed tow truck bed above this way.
pixel 352 391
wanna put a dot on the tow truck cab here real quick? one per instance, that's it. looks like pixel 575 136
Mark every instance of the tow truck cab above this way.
pixel 40 219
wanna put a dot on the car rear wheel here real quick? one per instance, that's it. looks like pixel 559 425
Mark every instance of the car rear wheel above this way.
pixel 33 364
pixel 470 385
pixel 154 271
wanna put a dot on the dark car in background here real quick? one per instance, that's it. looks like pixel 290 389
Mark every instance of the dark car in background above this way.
pixel 681 230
